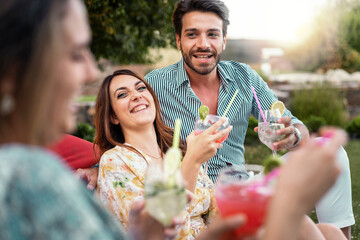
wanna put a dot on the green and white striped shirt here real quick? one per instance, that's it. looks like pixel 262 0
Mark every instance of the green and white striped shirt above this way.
pixel 177 100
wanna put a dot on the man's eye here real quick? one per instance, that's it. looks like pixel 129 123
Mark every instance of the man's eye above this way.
pixel 191 35
pixel 213 35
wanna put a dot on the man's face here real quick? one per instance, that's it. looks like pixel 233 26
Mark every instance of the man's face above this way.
pixel 201 42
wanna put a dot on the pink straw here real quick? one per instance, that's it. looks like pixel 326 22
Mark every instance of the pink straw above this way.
pixel 258 103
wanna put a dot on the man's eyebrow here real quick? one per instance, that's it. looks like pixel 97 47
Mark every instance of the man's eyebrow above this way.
pixel 190 29
pixel 214 30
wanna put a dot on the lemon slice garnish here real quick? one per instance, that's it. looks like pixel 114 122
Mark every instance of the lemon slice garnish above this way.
pixel 278 105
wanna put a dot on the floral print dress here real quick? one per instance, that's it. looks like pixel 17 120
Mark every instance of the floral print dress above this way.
pixel 121 181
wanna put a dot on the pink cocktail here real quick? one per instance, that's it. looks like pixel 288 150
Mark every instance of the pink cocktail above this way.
pixel 220 140
pixel 243 196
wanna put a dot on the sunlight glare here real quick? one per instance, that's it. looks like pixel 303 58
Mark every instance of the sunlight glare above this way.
pixel 270 19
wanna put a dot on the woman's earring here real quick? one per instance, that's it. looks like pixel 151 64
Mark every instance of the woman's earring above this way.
pixel 7 104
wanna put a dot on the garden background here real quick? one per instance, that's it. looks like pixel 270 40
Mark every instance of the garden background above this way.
pixel 317 78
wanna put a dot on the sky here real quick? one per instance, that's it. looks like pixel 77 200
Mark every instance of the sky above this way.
pixel 270 19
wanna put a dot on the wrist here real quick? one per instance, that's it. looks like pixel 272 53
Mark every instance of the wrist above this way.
pixel 298 137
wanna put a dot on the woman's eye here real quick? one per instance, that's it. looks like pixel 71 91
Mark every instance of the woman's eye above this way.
pixel 121 95
pixel 77 57
pixel 142 88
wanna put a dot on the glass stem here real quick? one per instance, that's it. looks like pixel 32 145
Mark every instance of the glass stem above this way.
pixel 203 179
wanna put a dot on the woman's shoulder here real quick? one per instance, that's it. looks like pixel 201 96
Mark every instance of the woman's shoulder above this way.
pixel 125 150
pixel 27 156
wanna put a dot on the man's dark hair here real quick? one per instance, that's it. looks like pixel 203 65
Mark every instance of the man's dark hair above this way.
pixel 186 6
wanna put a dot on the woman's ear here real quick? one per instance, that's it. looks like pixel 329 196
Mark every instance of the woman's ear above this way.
pixel 7 101
pixel 114 120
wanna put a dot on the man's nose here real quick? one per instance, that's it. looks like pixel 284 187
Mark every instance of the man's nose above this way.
pixel 203 42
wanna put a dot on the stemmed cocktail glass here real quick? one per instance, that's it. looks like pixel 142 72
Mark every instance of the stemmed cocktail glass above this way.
pixel 267 128
pixel 202 125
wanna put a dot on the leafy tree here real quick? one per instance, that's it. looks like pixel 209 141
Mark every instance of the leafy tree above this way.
pixel 123 30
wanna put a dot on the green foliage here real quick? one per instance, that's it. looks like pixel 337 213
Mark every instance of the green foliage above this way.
pixel 353 128
pixel 321 100
pixel 123 30
pixel 85 131
pixel 251 136
pixel 313 123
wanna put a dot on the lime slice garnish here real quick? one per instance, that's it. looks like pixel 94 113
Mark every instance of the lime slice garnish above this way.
pixel 270 163
pixel 278 105
pixel 172 160
pixel 203 112
pixel 173 156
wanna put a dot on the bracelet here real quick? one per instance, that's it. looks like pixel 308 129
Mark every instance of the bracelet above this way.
pixel 297 134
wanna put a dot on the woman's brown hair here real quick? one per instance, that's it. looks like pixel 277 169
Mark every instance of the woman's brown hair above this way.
pixel 109 135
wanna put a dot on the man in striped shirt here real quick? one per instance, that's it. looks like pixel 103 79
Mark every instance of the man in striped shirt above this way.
pixel 200 78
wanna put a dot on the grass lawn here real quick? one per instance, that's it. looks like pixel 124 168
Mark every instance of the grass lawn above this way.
pixel 254 154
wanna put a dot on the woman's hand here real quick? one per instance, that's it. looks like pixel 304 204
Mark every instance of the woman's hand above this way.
pixel 90 175
pixel 144 227
pixel 202 147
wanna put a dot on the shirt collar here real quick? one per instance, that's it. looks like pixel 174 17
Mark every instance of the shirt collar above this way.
pixel 183 77
pixel 223 73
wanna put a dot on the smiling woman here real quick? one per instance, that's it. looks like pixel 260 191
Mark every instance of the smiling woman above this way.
pixel 271 20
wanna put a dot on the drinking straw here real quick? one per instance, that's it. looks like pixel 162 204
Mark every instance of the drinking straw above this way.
pixel 231 101
pixel 258 103
pixel 176 138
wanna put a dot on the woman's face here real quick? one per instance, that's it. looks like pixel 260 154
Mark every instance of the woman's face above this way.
pixel 132 103
pixel 74 66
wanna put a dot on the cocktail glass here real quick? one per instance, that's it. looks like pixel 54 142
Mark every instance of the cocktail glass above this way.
pixel 237 193
pixel 267 130
pixel 164 199
pixel 201 126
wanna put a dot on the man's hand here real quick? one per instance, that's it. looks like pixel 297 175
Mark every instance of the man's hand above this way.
pixel 288 130
pixel 89 175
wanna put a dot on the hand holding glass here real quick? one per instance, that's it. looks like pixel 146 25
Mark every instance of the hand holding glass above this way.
pixel 163 200
pixel 201 126
pixel 267 130
pixel 235 193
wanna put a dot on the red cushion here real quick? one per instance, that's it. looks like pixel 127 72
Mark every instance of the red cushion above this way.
pixel 76 152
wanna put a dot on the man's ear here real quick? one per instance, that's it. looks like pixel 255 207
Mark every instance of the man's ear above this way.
pixel 178 44
pixel 224 46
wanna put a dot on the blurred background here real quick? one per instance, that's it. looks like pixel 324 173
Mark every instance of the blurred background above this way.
pixel 307 51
